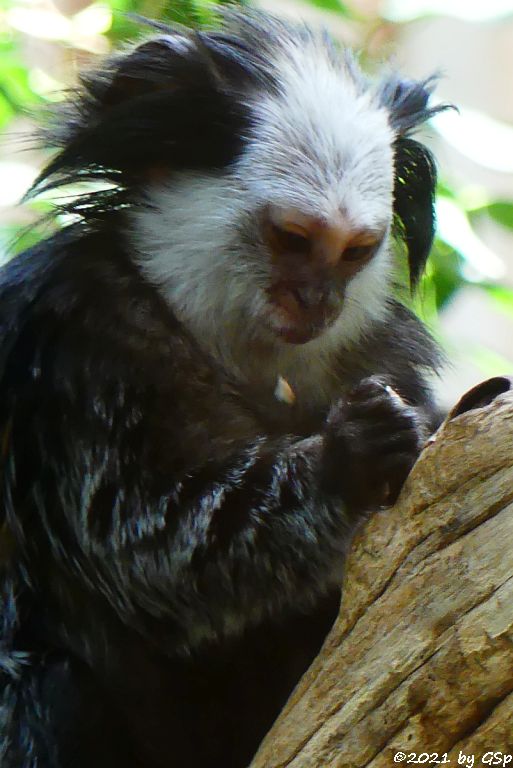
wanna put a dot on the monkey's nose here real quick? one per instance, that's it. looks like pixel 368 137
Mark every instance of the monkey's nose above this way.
pixel 324 242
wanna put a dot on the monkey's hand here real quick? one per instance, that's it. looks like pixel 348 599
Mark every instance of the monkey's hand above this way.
pixel 372 440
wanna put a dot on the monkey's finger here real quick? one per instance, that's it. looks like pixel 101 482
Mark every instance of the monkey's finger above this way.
pixel 398 443
pixel 394 470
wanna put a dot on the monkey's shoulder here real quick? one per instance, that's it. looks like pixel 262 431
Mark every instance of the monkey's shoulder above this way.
pixel 83 292
pixel 83 336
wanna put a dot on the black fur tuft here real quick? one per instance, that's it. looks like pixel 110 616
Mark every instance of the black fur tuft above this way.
pixel 165 106
pixel 407 102
pixel 414 194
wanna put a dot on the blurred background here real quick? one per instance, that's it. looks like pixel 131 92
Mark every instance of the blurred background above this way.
pixel 467 294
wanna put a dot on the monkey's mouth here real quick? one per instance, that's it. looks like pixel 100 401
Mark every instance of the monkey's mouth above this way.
pixel 299 312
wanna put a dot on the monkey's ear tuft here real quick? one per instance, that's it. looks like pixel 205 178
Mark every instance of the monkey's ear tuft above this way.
pixel 407 102
pixel 414 192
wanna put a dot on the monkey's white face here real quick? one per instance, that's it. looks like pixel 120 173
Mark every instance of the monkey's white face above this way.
pixel 290 244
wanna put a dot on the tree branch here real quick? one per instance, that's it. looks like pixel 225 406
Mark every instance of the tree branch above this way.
pixel 421 656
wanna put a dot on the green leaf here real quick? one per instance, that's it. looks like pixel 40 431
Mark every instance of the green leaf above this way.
pixel 17 238
pixel 333 5
pixel 123 28
pixel 15 79
pixel 181 12
pixel 502 212
pixel 443 188
pixel 444 270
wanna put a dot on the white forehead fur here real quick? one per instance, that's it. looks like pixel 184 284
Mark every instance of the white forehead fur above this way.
pixel 321 145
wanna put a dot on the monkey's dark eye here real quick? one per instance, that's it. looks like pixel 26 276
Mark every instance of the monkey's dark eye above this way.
pixel 357 253
pixel 290 242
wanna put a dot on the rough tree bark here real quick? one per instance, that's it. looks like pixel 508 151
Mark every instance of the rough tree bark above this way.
pixel 421 656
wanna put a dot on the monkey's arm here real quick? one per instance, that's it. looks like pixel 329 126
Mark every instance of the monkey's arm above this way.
pixel 227 542
pixel 212 546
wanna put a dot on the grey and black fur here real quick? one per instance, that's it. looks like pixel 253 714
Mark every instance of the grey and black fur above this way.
pixel 172 536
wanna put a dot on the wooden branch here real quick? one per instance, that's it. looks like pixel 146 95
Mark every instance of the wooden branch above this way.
pixel 421 656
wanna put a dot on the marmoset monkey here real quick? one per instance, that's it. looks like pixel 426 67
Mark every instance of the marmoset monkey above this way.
pixel 173 534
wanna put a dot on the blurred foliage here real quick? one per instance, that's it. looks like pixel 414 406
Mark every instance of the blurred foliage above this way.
pixel 501 211
pixel 188 12
pixel 43 43
pixel 16 93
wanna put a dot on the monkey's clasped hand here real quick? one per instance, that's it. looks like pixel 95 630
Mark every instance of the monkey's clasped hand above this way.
pixel 373 440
